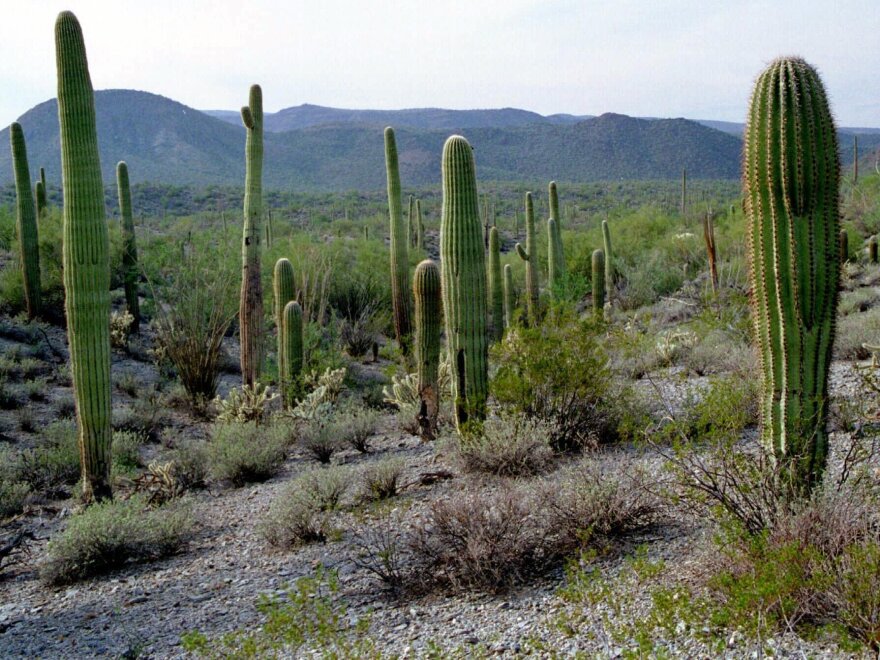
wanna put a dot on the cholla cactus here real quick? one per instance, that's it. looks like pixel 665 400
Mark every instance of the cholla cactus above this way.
pixel 245 405
pixel 326 389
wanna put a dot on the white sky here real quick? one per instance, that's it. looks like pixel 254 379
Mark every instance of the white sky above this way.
pixel 691 58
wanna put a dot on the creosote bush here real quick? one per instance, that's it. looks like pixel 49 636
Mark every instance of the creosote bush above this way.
pixel 245 453
pixel 508 446
pixel 111 534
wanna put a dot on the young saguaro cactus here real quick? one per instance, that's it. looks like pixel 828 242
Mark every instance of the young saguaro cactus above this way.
pixel 553 197
pixel 85 258
pixel 496 288
pixel 508 295
pixel 284 291
pixel 399 248
pixel 291 334
pixel 463 271
pixel 250 312
pixel 791 176
pixel 609 265
pixel 426 289
pixel 26 223
pixel 528 254
pixel 598 277
pixel 129 250
pixel 40 198
pixel 554 257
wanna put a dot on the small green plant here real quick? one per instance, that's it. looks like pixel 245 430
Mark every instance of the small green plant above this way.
pixel 244 453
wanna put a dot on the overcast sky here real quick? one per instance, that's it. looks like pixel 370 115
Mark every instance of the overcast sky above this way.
pixel 676 58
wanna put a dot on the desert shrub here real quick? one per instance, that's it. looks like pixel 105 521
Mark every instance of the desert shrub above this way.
pixel 36 389
pixel 558 373
pixel 718 352
pixel 600 501
pixel 322 437
pixel 13 494
pixel 856 302
pixel 303 511
pixel 508 446
pixel 111 534
pixel 126 450
pixel 195 308
pixel 855 330
pixel 53 463
pixel 360 425
pixel 647 279
pixel 245 453
pixel 27 423
pixel 9 398
pixel 382 479
pixel 65 407
pixel 189 458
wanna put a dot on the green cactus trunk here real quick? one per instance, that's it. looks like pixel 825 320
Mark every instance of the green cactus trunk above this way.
pixel 554 258
pixel 598 277
pixel 399 247
pixel 85 258
pixel 420 228
pixel 463 271
pixel 40 198
pixel 250 313
pixel 610 275
pixel 129 250
pixel 26 223
pixel 790 180
pixel 529 255
pixel 291 364
pixel 410 224
pixel 496 285
pixel 553 196
pixel 508 295
pixel 428 312
pixel 283 292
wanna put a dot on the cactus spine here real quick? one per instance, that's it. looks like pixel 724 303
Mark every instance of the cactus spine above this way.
pixel 291 361
pixel 609 265
pixel 496 285
pixel 527 254
pixel 508 295
pixel 553 196
pixel 598 277
pixel 463 272
pixel 399 250
pixel 790 180
pixel 283 292
pixel 426 289
pixel 85 258
pixel 250 313
pixel 129 250
pixel 26 223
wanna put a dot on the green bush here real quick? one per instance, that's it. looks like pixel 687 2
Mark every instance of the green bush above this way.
pixel 245 453
pixel 53 463
pixel 111 534
pixel 558 373
pixel 382 479
pixel 508 446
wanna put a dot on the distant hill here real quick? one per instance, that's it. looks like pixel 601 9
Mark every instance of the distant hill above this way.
pixel 166 142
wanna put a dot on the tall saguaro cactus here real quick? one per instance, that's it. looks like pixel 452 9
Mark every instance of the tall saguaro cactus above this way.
pixel 26 223
pixel 399 248
pixel 129 250
pixel 463 271
pixel 553 201
pixel 426 289
pixel 529 255
pixel 496 289
pixel 598 277
pixel 508 295
pixel 609 264
pixel 250 311
pixel 85 258
pixel 790 181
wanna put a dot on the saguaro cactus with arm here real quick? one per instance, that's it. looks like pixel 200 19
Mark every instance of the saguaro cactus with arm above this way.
pixel 85 257
pixel 250 313
pixel 791 177
pixel 529 255
pixel 463 269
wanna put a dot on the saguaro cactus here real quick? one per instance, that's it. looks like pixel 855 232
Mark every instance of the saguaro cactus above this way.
pixel 85 258
pixel 250 313
pixel 463 270
pixel 790 180
pixel 26 223
pixel 496 289
pixel 508 295
pixel 609 264
pixel 129 250
pixel 553 258
pixel 598 277
pixel 426 289
pixel 399 249
pixel 553 197
pixel 283 291
pixel 528 254
pixel 40 198
pixel 410 223
pixel 291 361
pixel 709 239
